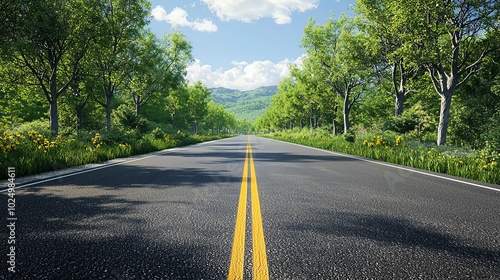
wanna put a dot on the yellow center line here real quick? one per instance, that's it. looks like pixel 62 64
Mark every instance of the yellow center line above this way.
pixel 260 269
pixel 238 252
pixel 236 267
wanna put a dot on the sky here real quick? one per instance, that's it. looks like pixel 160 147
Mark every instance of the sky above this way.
pixel 242 44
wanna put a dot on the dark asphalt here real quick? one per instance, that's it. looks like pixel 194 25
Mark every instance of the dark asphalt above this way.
pixel 325 216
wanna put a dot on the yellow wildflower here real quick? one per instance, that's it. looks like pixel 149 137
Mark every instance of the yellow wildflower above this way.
pixel 399 139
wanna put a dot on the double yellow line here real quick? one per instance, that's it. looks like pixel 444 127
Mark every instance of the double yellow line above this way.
pixel 260 269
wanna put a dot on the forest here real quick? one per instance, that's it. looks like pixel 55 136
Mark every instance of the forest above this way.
pixel 85 81
pixel 425 71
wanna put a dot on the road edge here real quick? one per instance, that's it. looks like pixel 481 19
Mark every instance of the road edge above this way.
pixel 403 167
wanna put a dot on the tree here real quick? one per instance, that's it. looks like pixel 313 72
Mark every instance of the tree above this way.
pixel 158 67
pixel 19 102
pixel 302 98
pixel 475 114
pixel 175 102
pixel 123 21
pixel 450 39
pixel 148 76
pixel 54 36
pixel 218 119
pixel 376 18
pixel 197 103
pixel 9 23
pixel 341 57
pixel 288 102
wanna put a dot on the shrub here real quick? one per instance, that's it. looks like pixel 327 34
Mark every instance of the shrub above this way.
pixel 402 124
pixel 349 137
pixel 32 152
pixel 119 135
pixel 158 133
pixel 125 117
pixel 40 126
pixel 142 125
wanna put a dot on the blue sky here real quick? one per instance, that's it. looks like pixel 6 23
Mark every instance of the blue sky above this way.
pixel 242 44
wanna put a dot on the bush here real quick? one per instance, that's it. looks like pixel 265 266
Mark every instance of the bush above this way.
pixel 158 133
pixel 119 135
pixel 349 137
pixel 40 126
pixel 402 124
pixel 142 125
pixel 32 152
pixel 125 117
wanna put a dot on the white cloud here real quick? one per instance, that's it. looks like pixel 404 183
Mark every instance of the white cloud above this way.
pixel 243 76
pixel 178 17
pixel 250 10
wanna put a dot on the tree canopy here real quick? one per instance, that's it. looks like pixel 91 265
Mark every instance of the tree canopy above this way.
pixel 85 65
pixel 397 47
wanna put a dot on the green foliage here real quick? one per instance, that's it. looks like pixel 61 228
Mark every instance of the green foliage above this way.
pixel 349 137
pixel 33 152
pixel 120 135
pixel 386 48
pixel 126 118
pixel 157 133
pixel 40 126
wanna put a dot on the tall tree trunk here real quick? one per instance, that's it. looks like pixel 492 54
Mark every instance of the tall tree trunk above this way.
pixel 334 123
pixel 346 120
pixel 444 85
pixel 79 113
pixel 54 116
pixel 399 104
pixel 108 112
pixel 444 117
pixel 399 84
pixel 172 120
pixel 347 109
pixel 334 127
pixel 138 107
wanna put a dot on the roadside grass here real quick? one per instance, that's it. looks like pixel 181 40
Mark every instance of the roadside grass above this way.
pixel 34 152
pixel 390 147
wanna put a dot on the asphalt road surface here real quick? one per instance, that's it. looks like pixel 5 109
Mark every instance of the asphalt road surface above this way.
pixel 193 213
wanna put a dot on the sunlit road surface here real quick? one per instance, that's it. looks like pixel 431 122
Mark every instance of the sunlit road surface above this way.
pixel 253 208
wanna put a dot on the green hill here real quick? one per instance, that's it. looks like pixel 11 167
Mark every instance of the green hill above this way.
pixel 247 105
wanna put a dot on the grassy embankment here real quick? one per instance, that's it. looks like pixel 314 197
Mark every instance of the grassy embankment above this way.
pixel 481 165
pixel 34 152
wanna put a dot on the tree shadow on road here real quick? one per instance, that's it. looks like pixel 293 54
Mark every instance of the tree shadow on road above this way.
pixel 395 231
pixel 100 237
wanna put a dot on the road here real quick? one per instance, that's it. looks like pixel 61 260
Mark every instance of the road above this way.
pixel 193 212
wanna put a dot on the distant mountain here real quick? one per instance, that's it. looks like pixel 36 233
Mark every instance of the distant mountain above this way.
pixel 245 104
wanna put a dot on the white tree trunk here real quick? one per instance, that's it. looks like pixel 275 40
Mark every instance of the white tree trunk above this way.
pixel 347 110
pixel 444 118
